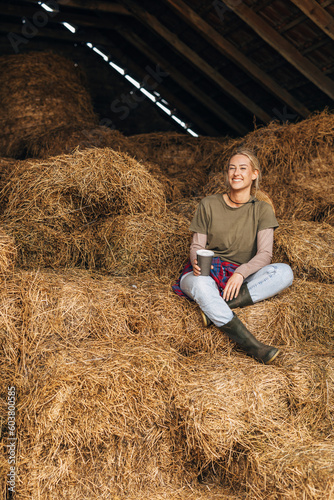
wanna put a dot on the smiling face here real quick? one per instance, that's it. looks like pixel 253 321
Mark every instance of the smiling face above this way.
pixel 240 173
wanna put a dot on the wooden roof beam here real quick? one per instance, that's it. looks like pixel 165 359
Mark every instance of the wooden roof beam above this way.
pixel 317 14
pixel 31 11
pixel 97 5
pixel 179 105
pixel 188 85
pixel 56 34
pixel 187 53
pixel 282 46
pixel 230 51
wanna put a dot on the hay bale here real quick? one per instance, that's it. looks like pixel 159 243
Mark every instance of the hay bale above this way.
pixel 98 416
pixel 49 203
pixel 308 247
pixel 186 207
pixel 289 148
pixel 301 314
pixel 249 426
pixel 95 181
pixel 95 399
pixel 53 244
pixel 28 108
pixel 103 387
pixel 67 139
pixel 177 155
pixel 142 242
pixel 296 468
pixel 8 253
pixel 296 160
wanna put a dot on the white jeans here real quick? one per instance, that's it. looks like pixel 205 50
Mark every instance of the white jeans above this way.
pixel 263 284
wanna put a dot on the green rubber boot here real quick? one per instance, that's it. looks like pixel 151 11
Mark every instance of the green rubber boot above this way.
pixel 242 300
pixel 238 332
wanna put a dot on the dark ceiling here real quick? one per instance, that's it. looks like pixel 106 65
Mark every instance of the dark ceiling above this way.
pixel 226 66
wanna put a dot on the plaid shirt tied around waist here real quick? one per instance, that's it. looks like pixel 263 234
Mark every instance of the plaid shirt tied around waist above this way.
pixel 221 273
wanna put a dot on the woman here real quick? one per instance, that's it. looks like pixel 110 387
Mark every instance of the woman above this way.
pixel 240 230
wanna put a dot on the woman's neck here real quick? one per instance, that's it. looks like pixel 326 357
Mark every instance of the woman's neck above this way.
pixel 236 199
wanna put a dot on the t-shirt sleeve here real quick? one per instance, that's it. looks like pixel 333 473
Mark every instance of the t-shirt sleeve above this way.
pixel 267 217
pixel 200 221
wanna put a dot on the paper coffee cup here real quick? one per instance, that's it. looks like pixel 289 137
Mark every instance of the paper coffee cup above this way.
pixel 204 261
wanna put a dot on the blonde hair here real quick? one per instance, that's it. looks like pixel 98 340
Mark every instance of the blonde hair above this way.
pixel 255 164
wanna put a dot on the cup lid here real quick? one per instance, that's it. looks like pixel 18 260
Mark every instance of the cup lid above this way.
pixel 205 253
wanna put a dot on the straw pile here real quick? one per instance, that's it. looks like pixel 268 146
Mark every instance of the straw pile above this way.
pixel 297 161
pixel 249 426
pixel 8 253
pixel 123 394
pixel 66 140
pixel 308 247
pixel 52 206
pixel 29 109
pixel 138 243
pixel 109 404
pixel 289 148
pixel 184 159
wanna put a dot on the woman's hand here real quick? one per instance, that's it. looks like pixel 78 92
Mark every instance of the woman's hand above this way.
pixel 196 269
pixel 233 286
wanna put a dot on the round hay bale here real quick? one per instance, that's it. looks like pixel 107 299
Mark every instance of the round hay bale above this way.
pixel 308 247
pixel 145 243
pixel 49 203
pixel 93 182
pixel 67 139
pixel 29 108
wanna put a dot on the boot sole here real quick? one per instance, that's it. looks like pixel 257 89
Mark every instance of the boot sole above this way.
pixel 272 358
pixel 206 320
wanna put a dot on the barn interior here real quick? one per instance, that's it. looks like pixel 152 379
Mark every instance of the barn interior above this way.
pixel 117 118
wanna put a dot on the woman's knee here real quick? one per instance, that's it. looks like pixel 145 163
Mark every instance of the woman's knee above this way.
pixel 284 274
pixel 198 286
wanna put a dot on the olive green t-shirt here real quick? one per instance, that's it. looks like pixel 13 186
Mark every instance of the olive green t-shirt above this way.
pixel 232 232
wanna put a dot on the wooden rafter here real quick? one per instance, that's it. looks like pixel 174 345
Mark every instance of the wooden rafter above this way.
pixel 230 51
pixel 225 86
pixel 184 82
pixel 318 14
pixel 141 73
pixel 30 10
pixel 282 46
pixel 56 34
pixel 97 5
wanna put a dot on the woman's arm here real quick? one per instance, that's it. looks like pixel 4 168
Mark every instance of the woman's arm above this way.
pixel 265 243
